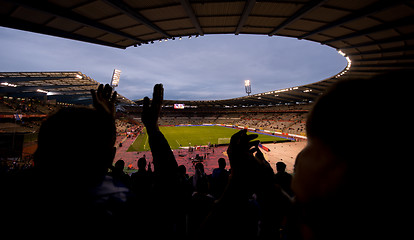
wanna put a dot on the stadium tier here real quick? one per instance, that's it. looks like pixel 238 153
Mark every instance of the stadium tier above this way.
pixel 52 87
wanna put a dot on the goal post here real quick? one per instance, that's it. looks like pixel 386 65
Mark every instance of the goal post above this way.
pixel 223 140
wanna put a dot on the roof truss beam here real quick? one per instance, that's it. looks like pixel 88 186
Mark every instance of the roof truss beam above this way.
pixel 297 15
pixel 376 7
pixel 70 15
pixel 190 12
pixel 399 57
pixel 408 65
pixel 120 6
pixel 248 7
pixel 402 22
pixel 37 28
pixel 382 41
pixel 381 51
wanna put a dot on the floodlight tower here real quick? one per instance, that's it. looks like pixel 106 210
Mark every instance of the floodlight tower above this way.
pixel 116 75
pixel 247 87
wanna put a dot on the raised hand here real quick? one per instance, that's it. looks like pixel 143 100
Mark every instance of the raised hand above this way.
pixel 104 100
pixel 241 148
pixel 150 113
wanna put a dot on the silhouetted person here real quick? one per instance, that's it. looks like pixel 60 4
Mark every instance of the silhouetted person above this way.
pixel 219 178
pixel 119 176
pixel 184 194
pixel 201 200
pixel 283 179
pixel 142 180
pixel 343 183
pixel 185 186
pixel 236 214
pixel 199 177
pixel 64 190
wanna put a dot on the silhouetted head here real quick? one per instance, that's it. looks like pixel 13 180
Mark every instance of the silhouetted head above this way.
pixel 222 163
pixel 120 165
pixel 142 163
pixel 280 167
pixel 78 142
pixel 182 170
pixel 199 167
pixel 340 174
pixel 200 182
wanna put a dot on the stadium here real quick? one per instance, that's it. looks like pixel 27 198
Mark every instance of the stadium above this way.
pixel 375 37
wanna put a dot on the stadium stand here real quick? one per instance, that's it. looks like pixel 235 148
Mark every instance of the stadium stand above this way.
pixel 54 87
pixel 375 36
pixel 287 119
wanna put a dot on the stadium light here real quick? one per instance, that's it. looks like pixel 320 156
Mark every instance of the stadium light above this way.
pixel 116 75
pixel 348 65
pixel 8 84
pixel 41 91
pixel 247 87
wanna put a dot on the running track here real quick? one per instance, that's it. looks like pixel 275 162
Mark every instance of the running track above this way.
pixel 182 156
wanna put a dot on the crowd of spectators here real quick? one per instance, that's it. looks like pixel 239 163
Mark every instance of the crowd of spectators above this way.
pixel 273 121
pixel 127 127
pixel 341 189
pixel 23 115
pixel 26 106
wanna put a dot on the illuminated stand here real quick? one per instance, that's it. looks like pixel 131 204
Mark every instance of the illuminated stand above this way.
pixel 115 78
pixel 247 87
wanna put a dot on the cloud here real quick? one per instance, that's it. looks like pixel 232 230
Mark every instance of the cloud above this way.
pixel 208 67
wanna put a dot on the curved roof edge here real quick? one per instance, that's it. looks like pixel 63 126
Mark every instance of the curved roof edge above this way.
pixel 377 35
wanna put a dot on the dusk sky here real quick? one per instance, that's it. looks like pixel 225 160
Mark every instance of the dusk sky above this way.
pixel 204 68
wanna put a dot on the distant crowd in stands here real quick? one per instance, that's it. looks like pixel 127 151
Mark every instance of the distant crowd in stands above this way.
pixel 287 122
pixel 126 127
pixel 17 110
pixel 29 106
pixel 273 121
pixel 340 189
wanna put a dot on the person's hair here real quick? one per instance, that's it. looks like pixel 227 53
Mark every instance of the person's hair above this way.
pixel 355 121
pixel 353 116
pixel 76 139
pixel 120 164
pixel 181 170
pixel 222 163
pixel 142 163
pixel 280 166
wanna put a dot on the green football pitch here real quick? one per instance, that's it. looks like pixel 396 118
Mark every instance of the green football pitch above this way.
pixel 195 135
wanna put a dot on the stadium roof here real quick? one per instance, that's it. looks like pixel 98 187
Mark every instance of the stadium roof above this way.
pixel 66 87
pixel 375 35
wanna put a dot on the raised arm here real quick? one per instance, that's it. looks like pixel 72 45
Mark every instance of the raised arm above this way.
pixel 163 158
pixel 233 214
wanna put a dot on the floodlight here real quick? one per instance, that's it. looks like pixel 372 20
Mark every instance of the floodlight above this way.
pixel 8 84
pixel 41 91
pixel 247 87
pixel 115 78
